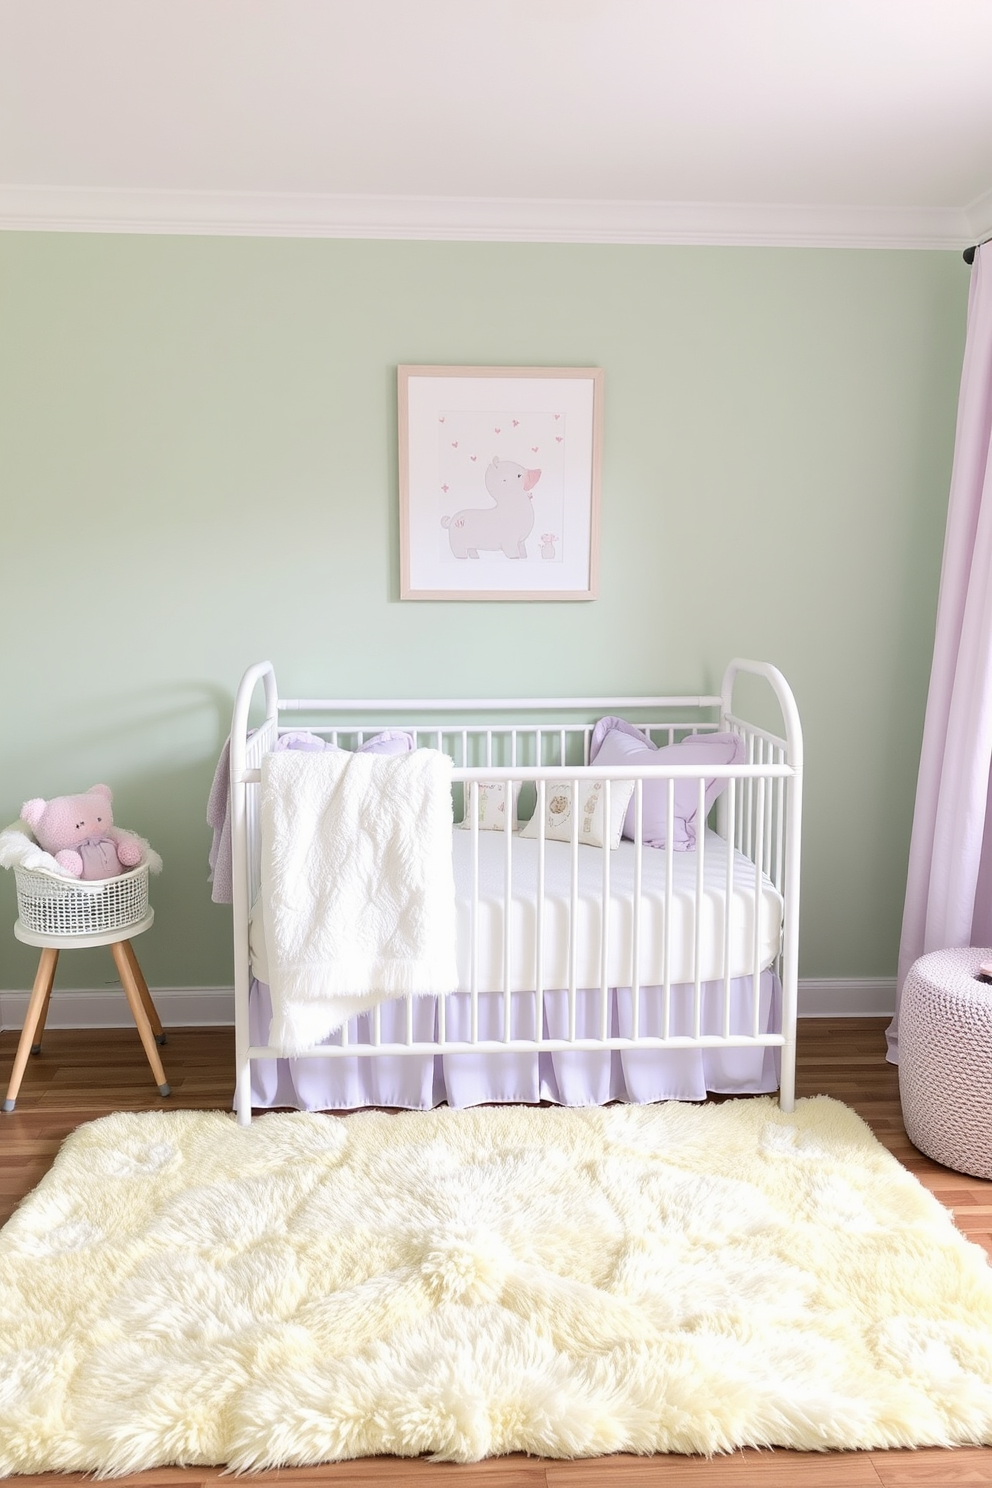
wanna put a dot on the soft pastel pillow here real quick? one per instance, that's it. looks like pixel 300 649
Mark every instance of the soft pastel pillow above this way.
pixel 492 806
pixel 300 739
pixel 390 741
pixel 616 742
pixel 593 829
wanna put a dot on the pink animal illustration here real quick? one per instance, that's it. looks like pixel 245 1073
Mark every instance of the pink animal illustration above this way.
pixel 548 540
pixel 507 524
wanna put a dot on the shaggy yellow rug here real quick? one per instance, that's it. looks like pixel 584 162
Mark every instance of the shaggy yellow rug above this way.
pixel 467 1283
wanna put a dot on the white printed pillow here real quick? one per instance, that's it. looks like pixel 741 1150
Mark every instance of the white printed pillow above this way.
pixel 492 806
pixel 592 812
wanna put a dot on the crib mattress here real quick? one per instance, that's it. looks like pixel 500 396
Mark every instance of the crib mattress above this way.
pixel 755 916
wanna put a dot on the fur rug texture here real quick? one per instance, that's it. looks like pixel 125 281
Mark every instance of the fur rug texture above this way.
pixel 463 1284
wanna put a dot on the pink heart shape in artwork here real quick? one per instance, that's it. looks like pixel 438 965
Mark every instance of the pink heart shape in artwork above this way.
pixel 499 431
pixel 557 415
pixel 454 444
pixel 445 490
pixel 473 457
pixel 515 422
pixel 558 438
pixel 441 418
pixel 534 448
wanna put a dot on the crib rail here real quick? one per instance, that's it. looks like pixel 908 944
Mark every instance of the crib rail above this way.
pixel 528 747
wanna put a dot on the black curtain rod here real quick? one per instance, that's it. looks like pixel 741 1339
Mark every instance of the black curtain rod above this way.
pixel 969 253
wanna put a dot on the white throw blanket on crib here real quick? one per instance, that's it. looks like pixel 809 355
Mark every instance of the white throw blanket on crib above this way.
pixel 358 895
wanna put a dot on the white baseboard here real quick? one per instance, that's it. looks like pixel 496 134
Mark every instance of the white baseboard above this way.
pixel 213 1007
pixel 842 997
pixel 178 1007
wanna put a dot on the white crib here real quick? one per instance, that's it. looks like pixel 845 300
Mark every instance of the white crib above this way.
pixel 590 969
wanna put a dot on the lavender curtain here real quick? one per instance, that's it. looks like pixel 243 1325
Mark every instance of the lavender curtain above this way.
pixel 949 886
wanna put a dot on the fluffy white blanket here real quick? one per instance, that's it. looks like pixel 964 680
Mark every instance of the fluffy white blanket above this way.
pixel 357 885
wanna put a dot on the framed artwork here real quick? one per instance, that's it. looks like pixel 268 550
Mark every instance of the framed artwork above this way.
pixel 499 482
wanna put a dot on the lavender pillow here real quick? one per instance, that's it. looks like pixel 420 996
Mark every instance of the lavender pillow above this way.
pixel 390 741
pixel 616 742
pixel 300 739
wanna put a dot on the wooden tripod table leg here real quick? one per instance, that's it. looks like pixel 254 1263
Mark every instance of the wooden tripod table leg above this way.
pixel 146 996
pixel 37 1007
pixel 39 1032
pixel 133 993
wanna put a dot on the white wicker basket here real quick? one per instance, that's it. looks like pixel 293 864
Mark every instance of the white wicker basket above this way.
pixel 50 904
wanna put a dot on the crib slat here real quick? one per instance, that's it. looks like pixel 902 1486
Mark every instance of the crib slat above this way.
pixel 507 918
pixel 778 871
pixel 697 956
pixel 730 795
pixel 604 951
pixel 749 811
pixel 541 907
pixel 573 914
pixel 766 850
pixel 667 930
pixel 474 932
pixel 758 868
pixel 635 955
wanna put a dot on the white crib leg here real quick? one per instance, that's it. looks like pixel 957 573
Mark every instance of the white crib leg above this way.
pixel 242 1093
pixel 787 1079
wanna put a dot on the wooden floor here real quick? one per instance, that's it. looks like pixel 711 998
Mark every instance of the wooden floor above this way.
pixel 81 1075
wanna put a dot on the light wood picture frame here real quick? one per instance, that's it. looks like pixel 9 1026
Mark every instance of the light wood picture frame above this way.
pixel 499 482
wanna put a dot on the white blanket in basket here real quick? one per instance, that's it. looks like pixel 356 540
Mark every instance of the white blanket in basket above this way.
pixel 19 849
pixel 358 896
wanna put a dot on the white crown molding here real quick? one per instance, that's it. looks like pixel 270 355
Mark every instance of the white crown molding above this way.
pixel 482 219
pixel 213 1007
pixel 980 217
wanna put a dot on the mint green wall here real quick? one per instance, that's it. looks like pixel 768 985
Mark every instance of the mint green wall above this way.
pixel 198 470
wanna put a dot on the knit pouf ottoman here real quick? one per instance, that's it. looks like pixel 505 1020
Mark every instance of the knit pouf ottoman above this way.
pixel 945 1060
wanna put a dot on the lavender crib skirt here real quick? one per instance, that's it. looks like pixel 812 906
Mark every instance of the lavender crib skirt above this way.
pixel 419 1081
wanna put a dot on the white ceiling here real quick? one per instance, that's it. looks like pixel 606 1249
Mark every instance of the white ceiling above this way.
pixel 866 122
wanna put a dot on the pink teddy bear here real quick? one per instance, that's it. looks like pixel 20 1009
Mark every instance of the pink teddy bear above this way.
pixel 80 834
